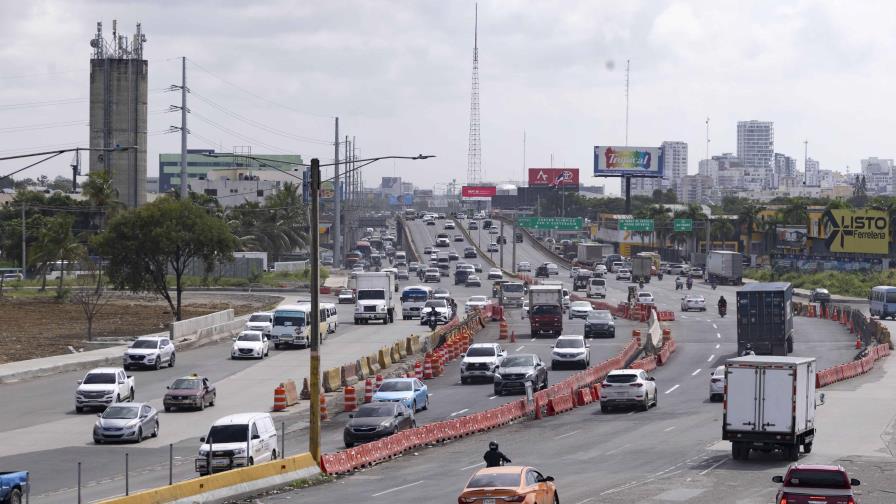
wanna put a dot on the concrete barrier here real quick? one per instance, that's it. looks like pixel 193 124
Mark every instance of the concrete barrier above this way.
pixel 384 357
pixel 332 379
pixel 412 344
pixel 373 362
pixel 220 331
pixel 184 327
pixel 292 393
pixel 349 374
pixel 363 368
pixel 227 486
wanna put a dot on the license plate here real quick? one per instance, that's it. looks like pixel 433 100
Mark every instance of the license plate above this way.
pixel 488 501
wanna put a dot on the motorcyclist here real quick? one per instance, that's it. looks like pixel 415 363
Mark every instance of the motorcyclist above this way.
pixel 690 283
pixel 748 350
pixel 712 283
pixel 678 283
pixel 432 319
pixel 659 275
pixel 723 306
pixel 641 284
pixel 493 457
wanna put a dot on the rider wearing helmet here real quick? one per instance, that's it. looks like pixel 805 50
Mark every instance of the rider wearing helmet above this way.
pixel 493 457
pixel 748 350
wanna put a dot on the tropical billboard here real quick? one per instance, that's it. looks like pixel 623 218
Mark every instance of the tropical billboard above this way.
pixel 615 161
pixel 857 231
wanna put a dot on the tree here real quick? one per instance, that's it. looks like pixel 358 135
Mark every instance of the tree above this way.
pixel 721 230
pixel 56 243
pixel 747 217
pixel 796 212
pixel 60 183
pixel 90 296
pixel 144 245
pixel 278 227
pixel 102 195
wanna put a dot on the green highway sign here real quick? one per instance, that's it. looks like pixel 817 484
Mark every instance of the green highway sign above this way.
pixel 636 224
pixel 683 225
pixel 557 223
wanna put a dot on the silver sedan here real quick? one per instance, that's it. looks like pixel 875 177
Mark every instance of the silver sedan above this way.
pixel 126 422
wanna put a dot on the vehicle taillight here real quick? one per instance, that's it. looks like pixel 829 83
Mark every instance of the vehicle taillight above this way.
pixel 515 498
pixel 466 500
pixel 851 500
pixel 638 385
pixel 716 380
pixel 783 500
pixel 605 385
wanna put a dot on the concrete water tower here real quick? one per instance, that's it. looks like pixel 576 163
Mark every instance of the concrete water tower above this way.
pixel 118 100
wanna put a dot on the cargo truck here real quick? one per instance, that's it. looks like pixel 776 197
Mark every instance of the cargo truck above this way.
pixel 546 309
pixel 591 254
pixel 374 297
pixel 724 267
pixel 641 269
pixel 511 294
pixel 765 318
pixel 769 405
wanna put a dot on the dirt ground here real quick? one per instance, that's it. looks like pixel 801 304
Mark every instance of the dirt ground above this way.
pixel 32 328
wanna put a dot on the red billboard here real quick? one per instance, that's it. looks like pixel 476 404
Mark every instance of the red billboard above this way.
pixel 553 177
pixel 478 191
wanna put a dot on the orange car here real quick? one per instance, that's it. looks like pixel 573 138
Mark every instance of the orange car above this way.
pixel 497 485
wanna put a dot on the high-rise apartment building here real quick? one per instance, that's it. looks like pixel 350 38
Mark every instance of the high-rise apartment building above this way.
pixel 756 149
pixel 785 166
pixel 878 175
pixel 694 189
pixel 675 166
pixel 811 173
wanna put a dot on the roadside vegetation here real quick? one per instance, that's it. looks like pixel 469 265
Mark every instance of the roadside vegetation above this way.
pixel 840 283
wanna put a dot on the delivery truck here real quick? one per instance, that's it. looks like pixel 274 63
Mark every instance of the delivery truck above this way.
pixel 765 318
pixel 769 405
pixel 724 267
pixel 374 299
pixel 546 309
pixel 591 254
pixel 641 269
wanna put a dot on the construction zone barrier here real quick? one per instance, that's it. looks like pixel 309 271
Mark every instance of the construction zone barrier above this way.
pixel 647 363
pixel 665 352
pixel 332 379
pixel 852 369
pixel 349 374
pixel 279 398
pixel 665 315
pixel 350 400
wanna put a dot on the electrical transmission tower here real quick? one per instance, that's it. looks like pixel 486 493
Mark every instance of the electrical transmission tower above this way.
pixel 474 152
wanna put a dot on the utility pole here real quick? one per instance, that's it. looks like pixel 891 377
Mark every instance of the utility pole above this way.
pixel 501 245
pixel 24 251
pixel 314 330
pixel 337 206
pixel 183 129
pixel 627 180
pixel 513 249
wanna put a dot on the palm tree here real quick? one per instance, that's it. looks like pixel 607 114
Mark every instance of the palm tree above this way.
pixel 796 213
pixel 747 217
pixel 102 195
pixel 887 204
pixel 57 243
pixel 278 227
pixel 721 230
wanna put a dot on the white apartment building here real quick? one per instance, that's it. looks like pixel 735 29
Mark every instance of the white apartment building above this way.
pixel 812 173
pixel 694 189
pixel 675 166
pixel 756 149
pixel 878 175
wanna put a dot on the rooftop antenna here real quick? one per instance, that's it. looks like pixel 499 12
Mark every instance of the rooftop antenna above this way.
pixel 627 68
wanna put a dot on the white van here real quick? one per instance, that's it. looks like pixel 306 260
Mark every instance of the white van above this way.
pixel 597 287
pixel 290 326
pixel 328 315
pixel 229 438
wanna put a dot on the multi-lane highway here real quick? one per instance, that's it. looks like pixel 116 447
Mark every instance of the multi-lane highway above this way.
pixel 669 453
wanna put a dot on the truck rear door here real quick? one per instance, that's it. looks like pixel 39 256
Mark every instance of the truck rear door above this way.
pixel 742 409
pixel 777 399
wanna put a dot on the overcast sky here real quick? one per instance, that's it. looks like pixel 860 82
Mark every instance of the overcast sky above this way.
pixel 398 73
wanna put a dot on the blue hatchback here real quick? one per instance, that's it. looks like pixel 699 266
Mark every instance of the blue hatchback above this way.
pixel 410 391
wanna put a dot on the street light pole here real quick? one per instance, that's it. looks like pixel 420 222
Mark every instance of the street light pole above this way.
pixel 337 204
pixel 314 329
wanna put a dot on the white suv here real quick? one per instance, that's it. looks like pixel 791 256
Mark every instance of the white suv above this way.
pixel 570 350
pixel 481 361
pixel 149 351
pixel 628 387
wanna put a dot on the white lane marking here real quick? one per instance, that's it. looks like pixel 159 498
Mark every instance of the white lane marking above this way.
pixel 460 412
pixel 589 499
pixel 696 372
pixel 718 335
pixel 717 464
pixel 520 348
pixel 667 429
pixel 711 357
pixel 492 397
pixel 715 326
pixel 471 466
pixel 618 449
pixel 671 389
pixel 397 488
pixel 533 339
pixel 567 434
pixel 718 345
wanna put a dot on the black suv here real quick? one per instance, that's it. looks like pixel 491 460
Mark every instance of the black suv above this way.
pixel 517 370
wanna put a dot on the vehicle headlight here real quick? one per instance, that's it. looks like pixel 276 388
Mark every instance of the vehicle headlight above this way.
pixel 498 377
pixel 203 453
pixel 381 308
pixel 132 424
pixel 530 374
pixel 239 451
pixel 358 309
pixel 97 426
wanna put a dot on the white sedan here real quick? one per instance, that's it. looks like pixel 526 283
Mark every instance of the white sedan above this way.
pixel 600 270
pixel 693 302
pixel 580 309
pixel 552 269
pixel 524 310
pixel 645 297
pixel 495 274
pixel 492 247
pixel 624 274
pixel 524 266
pixel 573 271
pixel 475 303
pixel 250 345
pixel 717 384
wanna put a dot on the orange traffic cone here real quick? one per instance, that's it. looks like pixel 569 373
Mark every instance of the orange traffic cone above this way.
pixel 858 342
pixel 513 336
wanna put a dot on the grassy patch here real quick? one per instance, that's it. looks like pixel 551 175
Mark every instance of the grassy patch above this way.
pixel 841 283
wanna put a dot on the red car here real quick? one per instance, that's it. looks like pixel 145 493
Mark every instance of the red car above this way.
pixel 815 484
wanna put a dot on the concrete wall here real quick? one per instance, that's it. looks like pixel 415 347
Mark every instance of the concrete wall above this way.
pixel 190 326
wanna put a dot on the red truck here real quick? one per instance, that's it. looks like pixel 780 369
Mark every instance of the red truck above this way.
pixel 546 309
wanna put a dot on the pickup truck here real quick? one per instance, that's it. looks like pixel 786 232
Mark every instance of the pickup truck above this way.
pixel 13 486
pixel 101 387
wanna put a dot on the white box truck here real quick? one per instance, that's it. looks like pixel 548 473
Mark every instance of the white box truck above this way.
pixel 724 267
pixel 769 405
pixel 374 300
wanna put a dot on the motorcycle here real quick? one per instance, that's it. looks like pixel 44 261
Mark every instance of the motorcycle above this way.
pixel 678 284
pixel 690 283
pixel 659 276
pixel 432 319
pixel 723 309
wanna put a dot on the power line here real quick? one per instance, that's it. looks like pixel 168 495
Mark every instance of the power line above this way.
pixel 40 126
pixel 236 133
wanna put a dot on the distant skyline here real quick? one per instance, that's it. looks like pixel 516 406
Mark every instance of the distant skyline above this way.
pixel 273 74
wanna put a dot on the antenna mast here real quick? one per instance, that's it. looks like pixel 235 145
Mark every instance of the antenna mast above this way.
pixel 474 151
pixel 627 67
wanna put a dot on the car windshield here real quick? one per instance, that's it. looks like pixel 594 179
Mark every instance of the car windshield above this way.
pixel 436 303
pixel 396 386
pixel 496 480
pixel 645 295
pixel 186 384
pixel 414 295
pixel 141 343
pixel 370 294
pixel 346 293
pixel 260 318
pixel 622 378
pixel 891 297
pixel 570 343
pixel 253 336
pixel 519 361
pixel 581 304
pixel 817 479
pixel 512 287
pixel 440 291
pixel 121 412
pixel 476 299
pixel 546 310
pixel 238 433
pixel 99 379
pixel 483 351
pixel 374 410
pixel 289 318
pixel 600 315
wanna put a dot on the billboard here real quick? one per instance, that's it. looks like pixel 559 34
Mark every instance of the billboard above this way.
pixel 553 177
pixel 791 236
pixel 614 161
pixel 478 192
pixel 857 231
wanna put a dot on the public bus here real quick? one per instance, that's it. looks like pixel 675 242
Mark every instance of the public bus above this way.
pixel 363 246
pixel 882 302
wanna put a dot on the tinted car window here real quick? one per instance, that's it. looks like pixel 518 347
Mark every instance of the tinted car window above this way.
pixel 621 378
pixel 570 343
pixel 145 344
pixel 228 433
pixel 395 386
pixel 546 310
pixel 599 315
pixel 519 361
pixel 481 352
pixel 97 378
pixel 120 412
pixel 376 410
pixel 266 318
pixel 249 337
pixel 494 480
pixel 817 479
pixel 186 384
